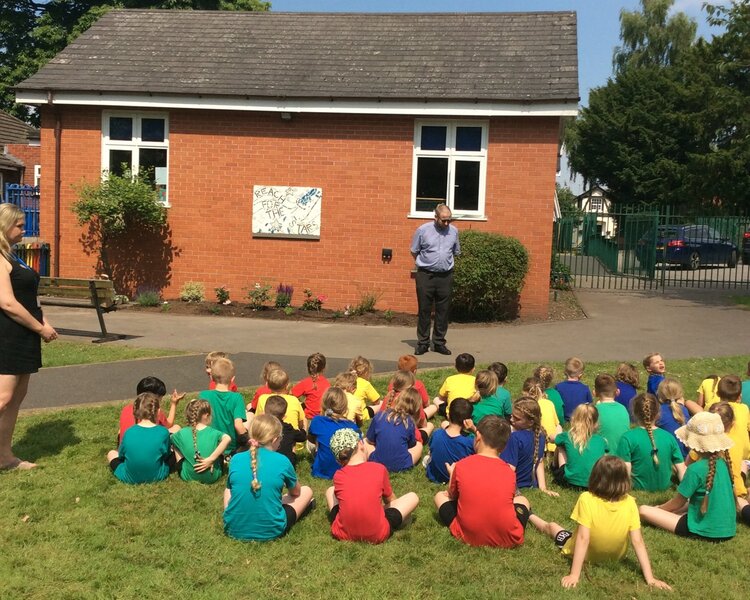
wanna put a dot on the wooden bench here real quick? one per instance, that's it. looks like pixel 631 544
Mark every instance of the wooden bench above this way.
pixel 98 294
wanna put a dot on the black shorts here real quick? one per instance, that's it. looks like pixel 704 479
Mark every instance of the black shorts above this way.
pixel 558 476
pixel 116 462
pixel 392 515
pixel 448 511
pixel 291 517
pixel 683 531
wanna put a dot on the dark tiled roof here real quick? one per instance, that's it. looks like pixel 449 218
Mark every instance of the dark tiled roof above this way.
pixel 15 131
pixel 462 56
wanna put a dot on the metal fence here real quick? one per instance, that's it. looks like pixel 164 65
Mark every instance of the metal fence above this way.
pixel 652 249
pixel 27 198
pixel 36 255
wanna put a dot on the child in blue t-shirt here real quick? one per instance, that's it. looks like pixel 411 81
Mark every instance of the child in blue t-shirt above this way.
pixel 322 427
pixel 449 445
pixel 572 391
pixel 145 455
pixel 392 436
pixel 655 367
pixel 628 382
pixel 524 451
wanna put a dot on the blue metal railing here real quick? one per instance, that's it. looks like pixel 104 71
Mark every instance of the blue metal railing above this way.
pixel 27 198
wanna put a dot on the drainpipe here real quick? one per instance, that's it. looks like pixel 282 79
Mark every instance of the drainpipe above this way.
pixel 56 237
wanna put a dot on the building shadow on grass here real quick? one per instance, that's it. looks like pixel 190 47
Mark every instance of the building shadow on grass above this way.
pixel 46 439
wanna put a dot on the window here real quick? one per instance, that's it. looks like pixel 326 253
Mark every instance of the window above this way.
pixel 138 143
pixel 37 175
pixel 450 165
pixel 596 204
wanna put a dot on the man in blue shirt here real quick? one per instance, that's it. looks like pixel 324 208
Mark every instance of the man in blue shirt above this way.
pixel 433 247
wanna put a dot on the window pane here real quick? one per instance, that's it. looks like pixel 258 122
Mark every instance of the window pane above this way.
pixel 120 128
pixel 153 165
pixel 466 189
pixel 432 179
pixel 469 139
pixel 433 137
pixel 152 130
pixel 120 161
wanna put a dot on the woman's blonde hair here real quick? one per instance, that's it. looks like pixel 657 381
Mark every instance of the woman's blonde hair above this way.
pixel 362 367
pixel 485 384
pixel 400 381
pixel 335 404
pixel 9 215
pixel 583 424
pixel 669 392
pixel 263 430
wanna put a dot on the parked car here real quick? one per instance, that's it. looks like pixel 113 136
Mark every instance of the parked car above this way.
pixel 746 246
pixel 692 246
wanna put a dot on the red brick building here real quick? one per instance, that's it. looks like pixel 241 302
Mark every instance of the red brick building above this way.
pixel 376 118
pixel 19 152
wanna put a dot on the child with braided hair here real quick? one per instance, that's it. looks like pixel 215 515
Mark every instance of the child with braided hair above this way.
pixel 532 387
pixel 310 390
pixel 545 374
pixel 705 505
pixel 199 448
pixel 650 453
pixel 524 451
pixel 255 508
pixel 392 436
pixel 322 427
pixel 579 448
pixel 400 383
pixel 365 392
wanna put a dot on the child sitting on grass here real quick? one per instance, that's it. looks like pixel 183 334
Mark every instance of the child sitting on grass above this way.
pixel 545 374
pixel 481 507
pixel 614 419
pixel 210 358
pixel 656 368
pixel 392 435
pixel 579 448
pixel 409 362
pixel 255 508
pixel 310 390
pixel 572 391
pixel 199 448
pixel 460 385
pixel 278 383
pixel 673 413
pixel 365 392
pixel 401 382
pixel 156 386
pixel 484 399
pixel 347 382
pixel 263 389
pixel 607 516
pixel 227 408
pixel 355 501
pixel 651 454
pixel 628 381
pixel 708 392
pixel 532 388
pixel 145 455
pixel 449 445
pixel 276 406
pixel 324 426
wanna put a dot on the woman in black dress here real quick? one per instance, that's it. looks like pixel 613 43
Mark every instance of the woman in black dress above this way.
pixel 22 326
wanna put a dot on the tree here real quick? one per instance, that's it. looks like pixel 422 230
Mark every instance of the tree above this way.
pixel 34 31
pixel 649 38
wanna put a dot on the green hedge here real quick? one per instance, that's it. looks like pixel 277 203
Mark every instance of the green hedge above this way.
pixel 489 275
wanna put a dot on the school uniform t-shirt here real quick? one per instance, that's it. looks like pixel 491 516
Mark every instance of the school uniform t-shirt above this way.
pixel 720 520
pixel 485 488
pixel 556 399
pixel 485 407
pixel 614 421
pixel 257 515
pixel 392 441
pixel 446 449
pixel 360 490
pixel 127 419
pixel 294 413
pixel 653 383
pixel 323 428
pixel 145 450
pixel 626 395
pixel 207 439
pixel 669 424
pixel 312 392
pixel 460 385
pixel 225 408
pixel 573 393
pixel 580 463
pixel 519 452
pixel 635 447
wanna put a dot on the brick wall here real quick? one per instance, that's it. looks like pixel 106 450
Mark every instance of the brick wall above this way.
pixel 29 156
pixel 363 165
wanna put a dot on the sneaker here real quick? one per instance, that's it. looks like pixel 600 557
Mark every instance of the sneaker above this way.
pixel 426 460
pixel 419 350
pixel 442 350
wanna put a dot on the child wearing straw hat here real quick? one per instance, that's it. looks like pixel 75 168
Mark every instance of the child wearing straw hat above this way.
pixel 705 502
pixel 360 488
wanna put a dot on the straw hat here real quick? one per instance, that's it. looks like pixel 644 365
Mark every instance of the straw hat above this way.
pixel 343 440
pixel 704 433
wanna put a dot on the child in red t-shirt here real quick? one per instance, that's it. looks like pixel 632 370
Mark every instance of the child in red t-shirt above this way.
pixel 310 390
pixel 480 506
pixel 155 386
pixel 360 488
pixel 210 358
pixel 269 366
pixel 409 362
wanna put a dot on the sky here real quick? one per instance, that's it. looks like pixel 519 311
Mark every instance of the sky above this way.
pixel 598 22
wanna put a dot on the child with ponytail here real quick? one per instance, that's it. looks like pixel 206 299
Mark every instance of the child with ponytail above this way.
pixel 310 390
pixel 255 508
pixel 705 505
pixel 199 448
pixel 324 426
pixel 673 413
pixel 533 388
pixel 524 451
pixel 484 399
pixel 579 448
pixel 409 362
pixel 400 383
pixel 651 454
pixel 392 438
pixel 545 374
pixel 365 391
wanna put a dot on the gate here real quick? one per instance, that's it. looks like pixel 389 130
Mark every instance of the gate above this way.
pixel 25 197
pixel 647 249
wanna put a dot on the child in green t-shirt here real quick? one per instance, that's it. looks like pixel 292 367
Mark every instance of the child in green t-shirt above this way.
pixel 614 419
pixel 199 449
pixel 227 408
pixel 579 448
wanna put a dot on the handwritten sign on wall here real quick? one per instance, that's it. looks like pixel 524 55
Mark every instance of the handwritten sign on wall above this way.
pixel 286 212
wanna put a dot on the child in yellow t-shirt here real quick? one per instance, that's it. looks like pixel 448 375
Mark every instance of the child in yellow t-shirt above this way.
pixel 607 516
pixel 532 388
pixel 460 385
pixel 365 391
pixel 278 383
pixel 347 381
pixel 708 391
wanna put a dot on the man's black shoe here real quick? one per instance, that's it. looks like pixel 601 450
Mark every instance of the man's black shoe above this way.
pixel 442 350
pixel 419 350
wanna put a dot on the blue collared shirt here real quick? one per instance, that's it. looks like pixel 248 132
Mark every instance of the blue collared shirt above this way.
pixel 434 247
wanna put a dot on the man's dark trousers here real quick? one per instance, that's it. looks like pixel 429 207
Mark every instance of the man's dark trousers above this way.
pixel 433 287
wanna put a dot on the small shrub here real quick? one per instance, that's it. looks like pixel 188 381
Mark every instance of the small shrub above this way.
pixel 337 314
pixel 489 276
pixel 215 310
pixel 388 315
pixel 222 294
pixel 367 303
pixel 258 295
pixel 559 274
pixel 121 299
pixel 289 311
pixel 283 295
pixel 148 297
pixel 166 307
pixel 193 291
pixel 312 302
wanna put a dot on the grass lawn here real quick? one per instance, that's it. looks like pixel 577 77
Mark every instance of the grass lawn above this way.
pixel 70 530
pixel 64 353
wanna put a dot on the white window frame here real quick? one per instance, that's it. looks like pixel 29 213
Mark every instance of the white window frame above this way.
pixel 37 175
pixel 136 144
pixel 453 155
